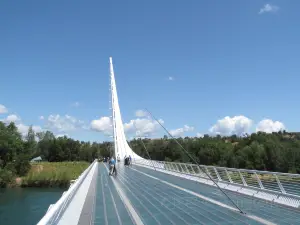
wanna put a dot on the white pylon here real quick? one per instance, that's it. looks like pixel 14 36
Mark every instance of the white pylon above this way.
pixel 122 148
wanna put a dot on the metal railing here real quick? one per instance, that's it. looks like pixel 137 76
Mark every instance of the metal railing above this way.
pixel 252 182
pixel 56 210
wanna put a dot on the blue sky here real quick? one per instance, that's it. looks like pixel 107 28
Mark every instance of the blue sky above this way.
pixel 237 60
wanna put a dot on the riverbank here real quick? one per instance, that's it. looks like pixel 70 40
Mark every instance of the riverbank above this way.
pixel 51 174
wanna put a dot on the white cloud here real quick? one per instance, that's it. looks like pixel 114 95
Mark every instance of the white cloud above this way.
pixel 268 8
pixel 238 125
pixel 37 128
pixel 142 126
pixel 232 125
pixel 140 113
pixel 61 135
pixel 180 131
pixel 269 126
pixel 139 126
pixel 3 109
pixel 75 104
pixel 23 129
pixel 170 78
pixel 104 125
pixel 12 118
pixel 64 123
pixel 41 117
pixel 199 135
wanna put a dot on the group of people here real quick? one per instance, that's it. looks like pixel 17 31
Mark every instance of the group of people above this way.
pixel 112 163
pixel 127 160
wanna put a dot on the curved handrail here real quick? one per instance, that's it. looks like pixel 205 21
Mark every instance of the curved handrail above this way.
pixel 56 209
pixel 280 184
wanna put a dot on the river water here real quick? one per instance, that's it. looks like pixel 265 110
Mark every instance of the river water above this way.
pixel 26 206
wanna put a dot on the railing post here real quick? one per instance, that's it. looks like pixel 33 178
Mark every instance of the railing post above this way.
pixel 173 167
pixel 170 166
pixel 259 181
pixel 279 184
pixel 181 168
pixel 167 167
pixel 193 169
pixel 164 163
pixel 228 175
pixel 200 172
pixel 208 173
pixel 177 168
pixel 187 170
pixel 218 175
pixel 243 179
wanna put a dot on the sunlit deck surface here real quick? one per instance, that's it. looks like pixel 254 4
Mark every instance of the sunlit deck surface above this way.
pixel 157 202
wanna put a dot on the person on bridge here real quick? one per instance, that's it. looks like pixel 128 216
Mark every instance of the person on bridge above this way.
pixel 126 161
pixel 112 166
pixel 129 160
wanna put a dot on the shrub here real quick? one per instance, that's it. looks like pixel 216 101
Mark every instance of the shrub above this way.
pixel 6 177
pixel 11 167
pixel 22 166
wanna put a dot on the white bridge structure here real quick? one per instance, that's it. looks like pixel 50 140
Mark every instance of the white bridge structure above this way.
pixel 121 146
pixel 158 192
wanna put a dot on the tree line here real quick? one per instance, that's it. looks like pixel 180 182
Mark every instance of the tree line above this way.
pixel 16 151
pixel 261 151
pixel 278 151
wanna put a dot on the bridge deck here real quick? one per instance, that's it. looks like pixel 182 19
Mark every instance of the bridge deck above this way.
pixel 159 198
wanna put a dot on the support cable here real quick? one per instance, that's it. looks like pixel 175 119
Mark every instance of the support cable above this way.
pixel 195 161
pixel 144 147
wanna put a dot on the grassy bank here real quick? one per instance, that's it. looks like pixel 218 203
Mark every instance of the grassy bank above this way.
pixel 54 174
